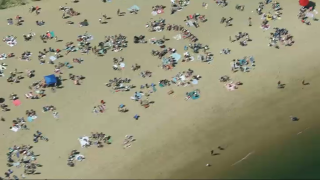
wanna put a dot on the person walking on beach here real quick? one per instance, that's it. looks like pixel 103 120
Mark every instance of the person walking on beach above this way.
pixel 105 17
pixel 250 23
pixel 280 86
pixel 212 152
pixel 221 148
pixel 305 83
pixel 118 12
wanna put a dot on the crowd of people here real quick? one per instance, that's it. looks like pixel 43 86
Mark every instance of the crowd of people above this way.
pixel 169 58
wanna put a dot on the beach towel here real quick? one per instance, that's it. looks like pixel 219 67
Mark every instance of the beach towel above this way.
pixel 190 23
pixel 107 44
pixel 3 56
pixel 231 86
pixel 90 38
pixel 52 58
pixel 266 27
pixel 12 43
pixel 174 79
pixel 109 141
pixel 310 15
pixel 194 82
pixel 79 157
pixel 199 57
pixel 122 65
pixel 15 129
pixel 154 89
pixel 269 18
pixel 154 13
pixel 84 141
pixel 194 97
pixel 16 102
pixel 176 56
pixel 134 7
pixel 52 34
pixel 31 118
pixel 158 29
pixel 16 164
pixel 242 61
pixel 139 95
pixel 160 11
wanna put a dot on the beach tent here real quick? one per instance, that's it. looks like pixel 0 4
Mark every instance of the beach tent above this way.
pixel 303 2
pixel 50 79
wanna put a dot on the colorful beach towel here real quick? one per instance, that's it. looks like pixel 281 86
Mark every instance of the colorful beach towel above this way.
pixel 31 118
pixel 176 56
pixel 52 34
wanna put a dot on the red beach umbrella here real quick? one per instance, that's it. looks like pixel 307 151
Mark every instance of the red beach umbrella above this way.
pixel 303 2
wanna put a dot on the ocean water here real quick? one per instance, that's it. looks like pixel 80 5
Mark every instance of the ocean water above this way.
pixel 295 158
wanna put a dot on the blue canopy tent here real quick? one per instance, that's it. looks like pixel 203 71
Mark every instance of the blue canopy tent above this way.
pixel 50 79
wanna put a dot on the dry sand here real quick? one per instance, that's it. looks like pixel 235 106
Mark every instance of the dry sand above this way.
pixel 174 137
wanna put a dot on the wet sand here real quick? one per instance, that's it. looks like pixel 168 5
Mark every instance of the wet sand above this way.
pixel 174 136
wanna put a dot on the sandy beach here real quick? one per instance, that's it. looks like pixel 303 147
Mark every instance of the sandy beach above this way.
pixel 174 136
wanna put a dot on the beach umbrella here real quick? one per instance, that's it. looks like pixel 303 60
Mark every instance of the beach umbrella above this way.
pixel 303 2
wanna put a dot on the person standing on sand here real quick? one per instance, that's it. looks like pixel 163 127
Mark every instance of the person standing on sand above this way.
pixel 118 12
pixel 250 23
pixel 212 152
